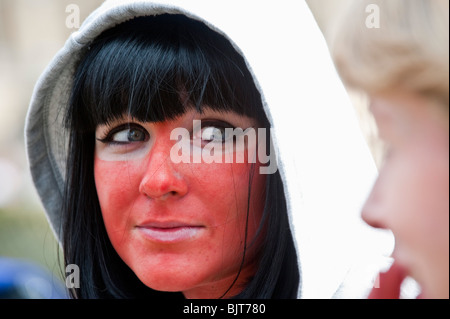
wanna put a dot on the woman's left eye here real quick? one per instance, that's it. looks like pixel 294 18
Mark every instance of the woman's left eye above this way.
pixel 214 131
pixel 213 134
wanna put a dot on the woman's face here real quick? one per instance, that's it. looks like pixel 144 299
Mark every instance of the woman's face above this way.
pixel 411 194
pixel 179 225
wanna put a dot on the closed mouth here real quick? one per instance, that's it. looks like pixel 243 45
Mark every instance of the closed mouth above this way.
pixel 169 232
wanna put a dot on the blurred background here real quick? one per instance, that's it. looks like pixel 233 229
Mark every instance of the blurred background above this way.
pixel 31 32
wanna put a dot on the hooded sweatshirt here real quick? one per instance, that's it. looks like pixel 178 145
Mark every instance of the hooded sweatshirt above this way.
pixel 325 164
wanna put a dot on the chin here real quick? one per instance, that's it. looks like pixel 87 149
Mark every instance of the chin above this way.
pixel 167 282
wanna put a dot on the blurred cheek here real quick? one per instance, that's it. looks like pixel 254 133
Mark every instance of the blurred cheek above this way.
pixel 410 197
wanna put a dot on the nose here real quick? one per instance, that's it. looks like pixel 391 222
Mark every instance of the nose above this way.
pixel 372 210
pixel 161 180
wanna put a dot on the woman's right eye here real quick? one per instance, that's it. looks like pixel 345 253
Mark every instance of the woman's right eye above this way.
pixel 129 135
pixel 126 134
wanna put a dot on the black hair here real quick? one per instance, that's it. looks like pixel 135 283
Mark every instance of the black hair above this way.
pixel 155 68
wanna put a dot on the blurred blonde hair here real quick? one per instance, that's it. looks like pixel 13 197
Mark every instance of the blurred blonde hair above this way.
pixel 408 51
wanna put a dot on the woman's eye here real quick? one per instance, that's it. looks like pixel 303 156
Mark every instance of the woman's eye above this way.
pixel 129 135
pixel 213 134
pixel 125 134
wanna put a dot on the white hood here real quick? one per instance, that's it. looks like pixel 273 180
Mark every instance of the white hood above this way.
pixel 325 164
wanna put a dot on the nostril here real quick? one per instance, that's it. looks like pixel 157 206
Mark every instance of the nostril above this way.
pixel 162 184
pixel 374 223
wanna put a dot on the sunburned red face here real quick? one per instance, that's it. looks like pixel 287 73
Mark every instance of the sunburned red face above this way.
pixel 178 226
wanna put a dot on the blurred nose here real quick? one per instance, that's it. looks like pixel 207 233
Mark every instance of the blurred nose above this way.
pixel 161 180
pixel 372 209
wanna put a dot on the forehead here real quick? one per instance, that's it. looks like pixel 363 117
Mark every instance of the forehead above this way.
pixel 384 105
pixel 405 103
pixel 408 111
pixel 401 106
pixel 388 111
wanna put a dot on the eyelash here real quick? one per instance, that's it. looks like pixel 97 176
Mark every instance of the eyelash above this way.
pixel 108 138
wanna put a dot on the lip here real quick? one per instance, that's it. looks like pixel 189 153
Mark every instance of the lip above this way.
pixel 169 232
pixel 399 261
pixel 408 271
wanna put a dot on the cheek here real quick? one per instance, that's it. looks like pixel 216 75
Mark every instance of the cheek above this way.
pixel 225 187
pixel 430 201
pixel 414 201
pixel 117 185
pixel 224 190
